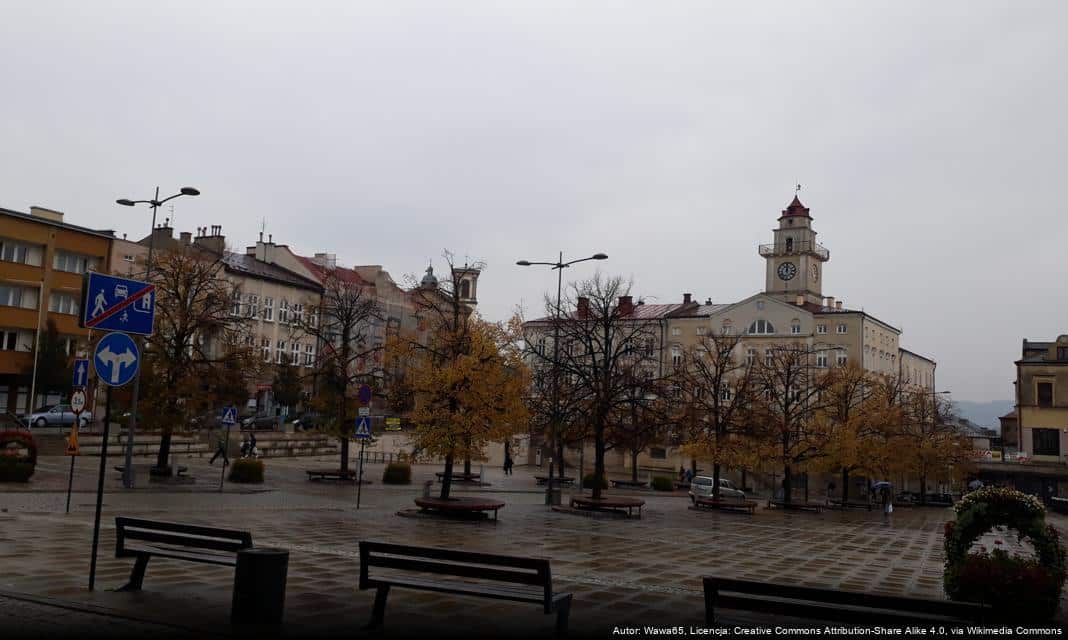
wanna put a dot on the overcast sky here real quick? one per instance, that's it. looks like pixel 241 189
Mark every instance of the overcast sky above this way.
pixel 929 138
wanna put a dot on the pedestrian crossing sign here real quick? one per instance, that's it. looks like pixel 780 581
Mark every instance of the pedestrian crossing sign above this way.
pixel 363 428
pixel 229 415
pixel 72 442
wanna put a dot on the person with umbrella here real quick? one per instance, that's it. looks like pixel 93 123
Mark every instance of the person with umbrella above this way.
pixel 884 488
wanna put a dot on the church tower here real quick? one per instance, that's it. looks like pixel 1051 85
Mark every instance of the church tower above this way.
pixel 795 260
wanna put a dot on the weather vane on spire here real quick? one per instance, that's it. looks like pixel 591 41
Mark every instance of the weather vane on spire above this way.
pixel 797 189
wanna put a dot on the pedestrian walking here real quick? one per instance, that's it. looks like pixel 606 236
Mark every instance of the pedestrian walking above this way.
pixel 252 451
pixel 244 446
pixel 682 473
pixel 220 448
pixel 888 505
pixel 688 477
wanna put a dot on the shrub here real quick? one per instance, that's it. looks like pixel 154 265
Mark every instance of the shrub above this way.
pixel 589 480
pixel 15 469
pixel 662 483
pixel 397 473
pixel 246 470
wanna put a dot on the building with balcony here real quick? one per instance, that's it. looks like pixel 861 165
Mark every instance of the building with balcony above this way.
pixel 42 261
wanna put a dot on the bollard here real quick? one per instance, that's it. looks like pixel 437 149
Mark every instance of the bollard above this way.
pixel 259 586
pixel 426 488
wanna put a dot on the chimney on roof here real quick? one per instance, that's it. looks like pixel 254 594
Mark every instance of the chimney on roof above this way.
pixel 708 301
pixel 583 307
pixel 838 305
pixel 186 237
pixel 626 305
pixel 830 302
pixel 686 298
pixel 800 301
pixel 47 214
pixel 326 260
pixel 216 242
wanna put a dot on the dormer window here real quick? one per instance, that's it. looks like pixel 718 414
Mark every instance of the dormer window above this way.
pixel 761 327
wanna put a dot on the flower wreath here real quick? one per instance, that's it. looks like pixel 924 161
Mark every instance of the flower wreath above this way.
pixel 23 439
pixel 989 507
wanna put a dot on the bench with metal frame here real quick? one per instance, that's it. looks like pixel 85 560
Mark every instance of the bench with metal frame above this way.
pixel 192 543
pixel 629 484
pixel 500 577
pixel 831 604
pixel 731 504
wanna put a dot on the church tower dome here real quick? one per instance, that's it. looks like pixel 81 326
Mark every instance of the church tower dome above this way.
pixel 795 260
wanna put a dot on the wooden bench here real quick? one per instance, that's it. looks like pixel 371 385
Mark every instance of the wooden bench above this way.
pixel 831 604
pixel 499 577
pixel 609 503
pixel 838 504
pixel 180 472
pixel 542 480
pixel 730 504
pixel 796 506
pixel 459 477
pixel 455 506
pixel 332 474
pixel 207 545
pixel 629 483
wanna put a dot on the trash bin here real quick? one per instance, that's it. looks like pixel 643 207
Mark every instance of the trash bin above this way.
pixel 552 496
pixel 259 586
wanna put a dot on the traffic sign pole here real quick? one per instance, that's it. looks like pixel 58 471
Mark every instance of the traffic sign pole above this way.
pixel 100 487
pixel 359 477
pixel 70 482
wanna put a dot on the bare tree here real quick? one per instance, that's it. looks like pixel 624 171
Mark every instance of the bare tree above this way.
pixel 342 328
pixel 605 339
pixel 717 385
pixel 642 415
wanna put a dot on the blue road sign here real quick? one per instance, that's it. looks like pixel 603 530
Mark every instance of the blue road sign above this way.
pixel 116 359
pixel 118 304
pixel 81 373
pixel 363 428
pixel 229 415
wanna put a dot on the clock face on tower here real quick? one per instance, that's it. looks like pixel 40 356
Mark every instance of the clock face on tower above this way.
pixel 787 271
pixel 814 272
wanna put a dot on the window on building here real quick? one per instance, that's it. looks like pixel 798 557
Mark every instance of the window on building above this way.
pixel 1045 394
pixel 761 327
pixel 9 341
pixel 540 346
pixel 313 318
pixel 128 258
pixel 843 358
pixel 760 305
pixel 309 355
pixel 265 348
pixel 63 303
pixel 725 395
pixel 253 308
pixel 268 309
pixel 789 245
pixel 821 359
pixel 795 327
pixel 73 262
pixel 283 311
pixel 280 352
pixel 821 328
pixel 750 356
pixel 658 453
pixel 465 289
pixel 298 314
pixel 728 329
pixel 1046 442
pixel 20 252
pixel 701 331
pixel 11 296
pixel 676 355
pixel 294 354
pixel 769 358
pixel 842 328
pixel 675 331
pixel 235 303
pixel 1062 353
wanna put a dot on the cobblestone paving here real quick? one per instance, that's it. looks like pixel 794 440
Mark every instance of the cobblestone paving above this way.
pixel 622 572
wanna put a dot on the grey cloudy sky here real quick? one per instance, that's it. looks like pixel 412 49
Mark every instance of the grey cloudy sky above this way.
pixel 929 139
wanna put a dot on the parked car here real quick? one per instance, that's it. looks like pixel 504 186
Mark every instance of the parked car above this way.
pixel 260 422
pixel 59 415
pixel 702 486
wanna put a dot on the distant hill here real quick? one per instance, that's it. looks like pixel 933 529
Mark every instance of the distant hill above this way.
pixel 984 414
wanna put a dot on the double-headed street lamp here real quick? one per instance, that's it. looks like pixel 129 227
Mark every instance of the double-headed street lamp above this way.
pixel 559 267
pixel 127 473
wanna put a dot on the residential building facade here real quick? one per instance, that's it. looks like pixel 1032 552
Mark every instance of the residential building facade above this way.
pixel 42 261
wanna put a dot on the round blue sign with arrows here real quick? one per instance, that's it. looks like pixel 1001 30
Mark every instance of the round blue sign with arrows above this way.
pixel 116 359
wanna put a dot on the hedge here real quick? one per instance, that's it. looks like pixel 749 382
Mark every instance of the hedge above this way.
pixel 246 470
pixel 589 479
pixel 397 473
pixel 662 483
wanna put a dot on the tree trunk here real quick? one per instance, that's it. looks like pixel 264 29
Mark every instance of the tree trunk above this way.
pixel 467 467
pixel 693 466
pixel 342 434
pixel 163 458
pixel 787 484
pixel 715 480
pixel 743 479
pixel 806 485
pixel 923 489
pixel 598 460
pixel 845 486
pixel 446 481
pixel 560 457
pixel 634 465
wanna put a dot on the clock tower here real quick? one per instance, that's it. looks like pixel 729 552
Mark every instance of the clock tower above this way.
pixel 795 260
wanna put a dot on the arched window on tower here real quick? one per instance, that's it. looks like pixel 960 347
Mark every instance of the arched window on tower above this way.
pixel 761 327
pixel 789 245
pixel 465 289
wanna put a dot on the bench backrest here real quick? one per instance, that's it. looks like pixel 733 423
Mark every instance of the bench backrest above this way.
pixel 174 534
pixel 465 564
pixel 951 608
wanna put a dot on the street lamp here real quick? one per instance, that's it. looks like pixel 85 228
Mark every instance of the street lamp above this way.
pixel 559 267
pixel 127 474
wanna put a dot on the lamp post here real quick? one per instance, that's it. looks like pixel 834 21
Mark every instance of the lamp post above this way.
pixel 559 267
pixel 127 473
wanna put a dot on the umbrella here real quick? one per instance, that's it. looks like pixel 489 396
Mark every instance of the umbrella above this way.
pixel 881 484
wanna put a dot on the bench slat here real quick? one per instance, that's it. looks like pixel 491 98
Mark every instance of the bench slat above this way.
pixel 826 610
pixel 124 525
pixel 855 598
pixel 461 570
pixel 369 553
pixel 229 560
pixel 196 542
pixel 488 591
